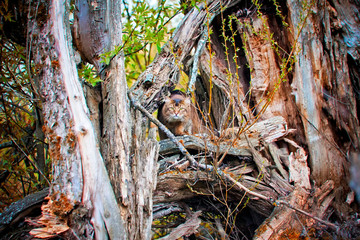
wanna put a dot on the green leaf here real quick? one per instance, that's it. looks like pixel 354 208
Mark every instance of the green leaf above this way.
pixel 158 47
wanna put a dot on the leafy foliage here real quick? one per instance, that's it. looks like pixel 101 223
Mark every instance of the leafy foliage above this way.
pixel 89 74
pixel 146 28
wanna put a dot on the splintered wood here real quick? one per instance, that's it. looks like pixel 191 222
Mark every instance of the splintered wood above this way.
pixel 268 131
pixel 173 182
pixel 247 172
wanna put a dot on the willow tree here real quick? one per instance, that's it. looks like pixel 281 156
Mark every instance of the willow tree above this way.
pixel 276 85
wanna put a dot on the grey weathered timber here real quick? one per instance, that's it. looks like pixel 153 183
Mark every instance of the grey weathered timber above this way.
pixel 79 170
pixel 322 81
pixel 164 68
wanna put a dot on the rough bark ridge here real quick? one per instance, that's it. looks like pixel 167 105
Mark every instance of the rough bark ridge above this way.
pixel 295 110
pixel 80 177
pixel 305 77
pixel 133 178
pixel 322 86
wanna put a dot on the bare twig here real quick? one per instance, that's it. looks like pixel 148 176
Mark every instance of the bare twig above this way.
pixel 327 223
pixel 31 161
pixel 172 137
pixel 226 176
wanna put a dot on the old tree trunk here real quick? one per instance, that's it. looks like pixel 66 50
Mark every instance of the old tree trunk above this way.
pixel 277 84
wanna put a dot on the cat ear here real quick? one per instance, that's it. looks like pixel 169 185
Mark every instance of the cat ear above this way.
pixel 187 101
pixel 167 99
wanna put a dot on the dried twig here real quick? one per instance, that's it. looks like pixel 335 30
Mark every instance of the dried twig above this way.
pixel 226 176
pixel 162 127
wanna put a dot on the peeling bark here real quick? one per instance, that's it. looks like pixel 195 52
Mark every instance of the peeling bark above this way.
pixel 79 172
pixel 317 107
pixel 323 91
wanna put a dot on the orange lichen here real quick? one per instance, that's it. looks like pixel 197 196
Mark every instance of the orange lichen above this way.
pixel 61 204
pixel 71 139
pixel 291 234
pixel 55 147
pixel 55 64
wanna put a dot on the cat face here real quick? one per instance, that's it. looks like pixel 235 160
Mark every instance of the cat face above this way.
pixel 176 108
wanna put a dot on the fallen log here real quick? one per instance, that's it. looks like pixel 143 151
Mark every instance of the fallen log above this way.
pixel 267 131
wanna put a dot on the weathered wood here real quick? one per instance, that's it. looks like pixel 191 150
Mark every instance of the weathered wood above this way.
pixel 21 209
pixel 319 100
pixel 176 186
pixel 145 174
pixel 299 172
pixel 321 82
pixel 79 172
pixel 185 229
pixel 279 223
pixel 93 30
pixel 93 101
pixel 202 144
pixel 165 65
pixel 267 131
pixel 275 154
pixel 149 86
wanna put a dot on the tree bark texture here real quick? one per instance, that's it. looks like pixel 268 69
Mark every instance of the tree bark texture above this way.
pixel 146 91
pixel 312 84
pixel 296 113
pixel 130 158
pixel 318 99
pixel 323 89
pixel 80 177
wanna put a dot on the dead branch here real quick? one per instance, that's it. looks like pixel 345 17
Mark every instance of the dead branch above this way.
pixel 185 229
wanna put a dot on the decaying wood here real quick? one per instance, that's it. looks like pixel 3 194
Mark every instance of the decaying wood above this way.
pixel 180 189
pixel 151 83
pixel 202 144
pixel 274 151
pixel 21 209
pixel 267 131
pixel 177 50
pixel 298 202
pixel 80 176
pixel 185 229
pixel 173 185
pixel 298 169
pixel 323 80
pixel 164 209
pixel 310 98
